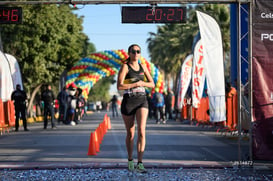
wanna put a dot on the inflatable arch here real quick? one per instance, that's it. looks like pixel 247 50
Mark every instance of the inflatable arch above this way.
pixel 86 72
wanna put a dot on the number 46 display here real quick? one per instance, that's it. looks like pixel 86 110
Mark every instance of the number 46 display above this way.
pixel 11 15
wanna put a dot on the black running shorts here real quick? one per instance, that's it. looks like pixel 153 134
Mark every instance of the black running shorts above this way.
pixel 130 104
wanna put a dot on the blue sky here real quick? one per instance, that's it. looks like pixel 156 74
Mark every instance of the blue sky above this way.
pixel 102 24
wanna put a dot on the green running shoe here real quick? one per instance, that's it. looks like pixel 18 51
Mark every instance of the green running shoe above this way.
pixel 131 165
pixel 140 168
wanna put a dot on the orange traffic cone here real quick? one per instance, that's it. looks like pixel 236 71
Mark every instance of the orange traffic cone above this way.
pixel 104 126
pixel 97 142
pixel 101 131
pixel 100 134
pixel 109 123
pixel 92 146
pixel 105 117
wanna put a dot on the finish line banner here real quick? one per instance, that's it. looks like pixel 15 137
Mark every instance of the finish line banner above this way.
pixel 262 77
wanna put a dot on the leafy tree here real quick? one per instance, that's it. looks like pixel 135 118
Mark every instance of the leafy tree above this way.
pixel 169 46
pixel 49 40
pixel 100 91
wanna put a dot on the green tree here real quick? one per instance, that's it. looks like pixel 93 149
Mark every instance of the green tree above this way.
pixel 100 91
pixel 49 40
pixel 169 46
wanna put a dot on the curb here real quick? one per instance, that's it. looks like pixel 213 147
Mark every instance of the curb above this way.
pixel 123 165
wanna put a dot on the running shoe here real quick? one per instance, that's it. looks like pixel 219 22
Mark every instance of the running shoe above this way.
pixel 140 168
pixel 131 165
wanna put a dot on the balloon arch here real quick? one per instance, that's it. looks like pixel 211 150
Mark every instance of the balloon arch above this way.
pixel 86 72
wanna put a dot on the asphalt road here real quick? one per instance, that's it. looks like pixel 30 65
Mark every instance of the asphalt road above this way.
pixel 171 145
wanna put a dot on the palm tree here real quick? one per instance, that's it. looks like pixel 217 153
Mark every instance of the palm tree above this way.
pixel 170 45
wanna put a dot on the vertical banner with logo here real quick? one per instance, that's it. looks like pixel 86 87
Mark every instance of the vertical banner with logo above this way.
pixel 262 79
pixel 184 80
pixel 198 75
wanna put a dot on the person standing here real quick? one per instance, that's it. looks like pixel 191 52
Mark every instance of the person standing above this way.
pixel 48 98
pixel 114 102
pixel 169 103
pixel 62 99
pixel 134 103
pixel 19 97
pixel 158 100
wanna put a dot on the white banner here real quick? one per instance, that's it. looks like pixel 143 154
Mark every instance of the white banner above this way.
pixel 6 85
pixel 213 62
pixel 198 74
pixel 184 80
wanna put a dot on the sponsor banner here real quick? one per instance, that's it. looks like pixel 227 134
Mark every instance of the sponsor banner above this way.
pixel 184 80
pixel 198 75
pixel 262 79
pixel 214 65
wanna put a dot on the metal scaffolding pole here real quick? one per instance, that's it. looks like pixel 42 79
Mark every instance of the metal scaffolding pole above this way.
pixel 239 80
pixel 250 81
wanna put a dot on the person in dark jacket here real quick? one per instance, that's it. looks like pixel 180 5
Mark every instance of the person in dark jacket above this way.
pixel 48 98
pixel 63 101
pixel 169 103
pixel 114 102
pixel 19 97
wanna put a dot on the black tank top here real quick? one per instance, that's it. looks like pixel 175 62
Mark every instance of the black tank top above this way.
pixel 134 76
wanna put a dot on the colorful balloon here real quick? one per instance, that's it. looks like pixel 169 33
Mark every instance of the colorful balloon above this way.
pixel 86 72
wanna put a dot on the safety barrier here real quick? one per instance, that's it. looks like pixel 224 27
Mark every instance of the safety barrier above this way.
pixel 9 113
pixel 7 116
pixel 3 125
pixel 201 115
pixel 232 107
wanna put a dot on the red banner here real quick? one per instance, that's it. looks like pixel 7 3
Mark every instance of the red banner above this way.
pixel 262 77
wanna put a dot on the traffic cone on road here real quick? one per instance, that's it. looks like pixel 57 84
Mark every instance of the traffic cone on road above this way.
pixel 109 123
pixel 97 145
pixel 92 146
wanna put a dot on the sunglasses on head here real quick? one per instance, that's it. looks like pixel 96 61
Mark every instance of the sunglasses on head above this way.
pixel 135 51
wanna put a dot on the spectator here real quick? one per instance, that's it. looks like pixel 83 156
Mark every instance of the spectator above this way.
pixel 169 104
pixel 80 103
pixel 72 104
pixel 114 103
pixel 48 99
pixel 158 100
pixel 19 97
pixel 62 98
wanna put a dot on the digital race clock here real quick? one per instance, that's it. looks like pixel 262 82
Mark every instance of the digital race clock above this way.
pixel 138 14
pixel 10 15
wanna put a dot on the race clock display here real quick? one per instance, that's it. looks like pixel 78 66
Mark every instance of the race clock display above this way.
pixel 138 14
pixel 11 15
